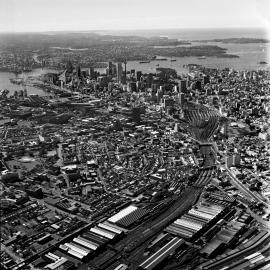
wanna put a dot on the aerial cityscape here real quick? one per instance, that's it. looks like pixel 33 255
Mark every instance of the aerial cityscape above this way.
pixel 138 148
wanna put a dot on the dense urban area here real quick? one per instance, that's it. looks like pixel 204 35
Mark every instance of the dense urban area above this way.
pixel 133 170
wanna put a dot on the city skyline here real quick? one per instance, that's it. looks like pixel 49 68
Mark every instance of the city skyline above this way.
pixel 82 15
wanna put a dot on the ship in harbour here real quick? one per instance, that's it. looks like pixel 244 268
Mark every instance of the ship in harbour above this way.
pixel 201 57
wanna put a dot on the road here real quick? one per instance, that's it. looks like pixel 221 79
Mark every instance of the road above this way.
pixel 241 187
pixel 244 189
pixel 257 178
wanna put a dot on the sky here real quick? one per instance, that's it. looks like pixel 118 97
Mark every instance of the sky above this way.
pixel 70 15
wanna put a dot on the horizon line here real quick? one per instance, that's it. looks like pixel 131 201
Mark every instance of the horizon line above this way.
pixel 138 29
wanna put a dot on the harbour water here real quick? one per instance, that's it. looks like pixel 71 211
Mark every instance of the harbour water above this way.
pixel 249 57
pixel 6 84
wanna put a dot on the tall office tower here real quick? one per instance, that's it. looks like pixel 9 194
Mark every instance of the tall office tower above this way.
pixel 138 75
pixel 154 87
pixel 69 67
pixel 208 91
pixel 224 129
pixel 110 87
pixel 78 71
pixel 182 98
pixel 159 95
pixel 132 86
pixel 110 68
pixel 168 102
pixel 229 161
pixel 162 88
pixel 183 86
pixel 139 85
pixel 132 72
pixel 125 70
pixel 198 85
pixel 119 71
pixel 149 80
pixel 91 72
pixel 236 160
pixel 136 114
pixel 206 79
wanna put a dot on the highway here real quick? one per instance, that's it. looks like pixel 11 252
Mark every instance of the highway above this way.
pixel 257 178
pixel 243 188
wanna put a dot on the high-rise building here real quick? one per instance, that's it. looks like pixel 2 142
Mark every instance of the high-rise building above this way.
pixel 154 87
pixel 162 88
pixel 224 129
pixel 236 160
pixel 159 95
pixel 168 102
pixel 119 71
pixel 183 86
pixel 132 72
pixel 138 75
pixel 182 98
pixel 69 67
pixel 208 91
pixel 139 85
pixel 229 161
pixel 206 79
pixel 136 114
pixel 78 71
pixel 110 68
pixel 132 86
pixel 198 85
pixel 149 80
pixel 91 72
pixel 110 87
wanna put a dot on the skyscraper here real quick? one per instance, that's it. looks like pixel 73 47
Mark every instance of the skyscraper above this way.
pixel 198 85
pixel 110 68
pixel 132 86
pixel 91 72
pixel 119 71
pixel 206 79
pixel 132 72
pixel 183 86
pixel 139 74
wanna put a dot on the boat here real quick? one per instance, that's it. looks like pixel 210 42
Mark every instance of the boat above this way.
pixel 173 60
pixel 16 81
pixel 144 62
pixel 161 59
pixel 263 63
pixel 19 71
pixel 201 57
pixel 16 71
pixel 27 69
